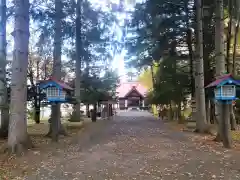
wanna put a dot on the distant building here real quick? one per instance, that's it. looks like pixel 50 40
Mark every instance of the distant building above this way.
pixel 131 94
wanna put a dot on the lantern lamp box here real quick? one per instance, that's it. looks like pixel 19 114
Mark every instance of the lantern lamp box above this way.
pixel 224 88
pixel 56 91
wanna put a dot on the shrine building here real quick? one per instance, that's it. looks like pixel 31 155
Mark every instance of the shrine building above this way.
pixel 131 94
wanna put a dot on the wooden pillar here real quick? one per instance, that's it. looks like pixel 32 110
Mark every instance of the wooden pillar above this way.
pixel 94 113
pixel 102 110
pixel 111 109
pixel 126 103
pixel 37 104
pixel 108 112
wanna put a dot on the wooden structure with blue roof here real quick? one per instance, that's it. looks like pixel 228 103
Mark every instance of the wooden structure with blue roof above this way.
pixel 224 88
pixel 56 91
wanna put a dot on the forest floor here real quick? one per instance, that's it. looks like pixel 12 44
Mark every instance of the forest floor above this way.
pixel 133 145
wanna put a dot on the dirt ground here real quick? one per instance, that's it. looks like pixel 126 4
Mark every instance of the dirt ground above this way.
pixel 132 146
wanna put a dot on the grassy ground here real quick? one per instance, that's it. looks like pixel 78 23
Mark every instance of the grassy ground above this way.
pixel 154 110
pixel 236 135
pixel 37 132
pixel 42 128
pixel 187 112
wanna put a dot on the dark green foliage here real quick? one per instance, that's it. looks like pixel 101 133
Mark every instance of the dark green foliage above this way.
pixel 172 84
pixel 157 23
pixel 95 29
pixel 95 88
pixel 161 28
pixel 96 39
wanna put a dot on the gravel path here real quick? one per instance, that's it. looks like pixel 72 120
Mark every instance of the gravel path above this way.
pixel 136 146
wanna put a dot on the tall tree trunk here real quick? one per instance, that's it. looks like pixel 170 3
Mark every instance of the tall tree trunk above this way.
pixel 56 127
pixel 233 120
pixel 77 112
pixel 232 115
pixel 229 37
pixel 200 90
pixel 212 112
pixel 223 119
pixel 3 85
pixel 170 111
pixel 87 110
pixel 208 110
pixel 87 105
pixel 94 113
pixel 235 42
pixel 191 59
pixel 220 61
pixel 18 138
pixel 173 54
pixel 36 100
pixel 180 117
pixel 225 126
pixel 190 49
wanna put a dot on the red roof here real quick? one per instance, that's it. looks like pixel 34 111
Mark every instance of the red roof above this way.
pixel 126 87
pixel 60 83
pixel 219 80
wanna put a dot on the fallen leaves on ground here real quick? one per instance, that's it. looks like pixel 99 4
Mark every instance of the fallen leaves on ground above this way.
pixel 173 125
pixel 207 140
pixel 130 148
pixel 43 147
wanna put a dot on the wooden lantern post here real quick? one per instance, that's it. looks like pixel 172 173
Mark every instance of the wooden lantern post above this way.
pixel 225 94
